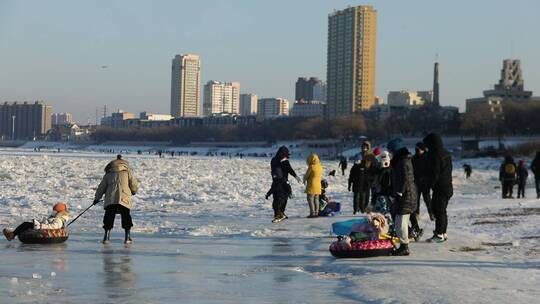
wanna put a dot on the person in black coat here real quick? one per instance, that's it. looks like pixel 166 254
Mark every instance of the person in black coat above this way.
pixel 403 191
pixel 361 177
pixel 281 189
pixel 507 176
pixel 419 161
pixel 535 168
pixel 357 185
pixel 522 175
pixel 343 164
pixel 439 180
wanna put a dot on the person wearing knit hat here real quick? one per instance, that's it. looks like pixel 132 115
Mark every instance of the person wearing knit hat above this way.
pixel 58 220
pixel 394 145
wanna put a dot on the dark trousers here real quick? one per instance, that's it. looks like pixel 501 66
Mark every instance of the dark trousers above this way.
pixel 22 227
pixel 343 170
pixel 439 203
pixel 111 212
pixel 415 216
pixel 360 201
pixel 279 204
pixel 537 184
pixel 507 189
pixel 521 190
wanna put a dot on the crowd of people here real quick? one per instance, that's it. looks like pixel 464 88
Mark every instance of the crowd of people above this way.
pixel 393 175
pixel 511 174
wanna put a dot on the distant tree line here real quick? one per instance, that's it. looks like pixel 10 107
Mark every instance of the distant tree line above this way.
pixel 517 119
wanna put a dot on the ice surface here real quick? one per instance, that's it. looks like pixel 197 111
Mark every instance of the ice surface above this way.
pixel 203 235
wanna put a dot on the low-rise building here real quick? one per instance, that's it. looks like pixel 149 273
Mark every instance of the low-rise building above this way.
pixel 311 108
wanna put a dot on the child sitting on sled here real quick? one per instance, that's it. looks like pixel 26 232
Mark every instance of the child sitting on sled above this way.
pixel 57 220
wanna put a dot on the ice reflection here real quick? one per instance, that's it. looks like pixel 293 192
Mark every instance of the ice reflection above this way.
pixel 119 279
pixel 281 247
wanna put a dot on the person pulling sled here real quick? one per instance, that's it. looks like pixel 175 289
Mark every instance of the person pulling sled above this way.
pixel 118 185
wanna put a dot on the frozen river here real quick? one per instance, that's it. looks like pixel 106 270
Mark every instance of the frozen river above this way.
pixel 203 235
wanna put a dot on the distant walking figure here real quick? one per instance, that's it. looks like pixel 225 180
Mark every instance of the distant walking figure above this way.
pixel 118 185
pixel 468 170
pixel 507 176
pixel 522 175
pixel 535 168
pixel 343 164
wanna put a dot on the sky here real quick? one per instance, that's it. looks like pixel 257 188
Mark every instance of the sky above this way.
pixel 55 50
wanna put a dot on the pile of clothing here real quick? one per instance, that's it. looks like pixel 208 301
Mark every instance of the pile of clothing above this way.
pixel 368 233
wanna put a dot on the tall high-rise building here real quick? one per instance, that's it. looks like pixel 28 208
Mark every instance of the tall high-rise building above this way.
pixel 350 70
pixel 24 120
pixel 186 86
pixel 221 98
pixel 248 104
pixel 305 88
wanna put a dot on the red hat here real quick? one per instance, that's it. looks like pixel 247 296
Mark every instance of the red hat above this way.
pixel 377 151
pixel 59 207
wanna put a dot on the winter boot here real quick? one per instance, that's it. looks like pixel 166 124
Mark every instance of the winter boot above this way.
pixel 403 250
pixel 127 239
pixel 418 234
pixel 107 236
pixel 8 234
pixel 437 238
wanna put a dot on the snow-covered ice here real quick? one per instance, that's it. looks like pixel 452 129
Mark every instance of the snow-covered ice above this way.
pixel 203 235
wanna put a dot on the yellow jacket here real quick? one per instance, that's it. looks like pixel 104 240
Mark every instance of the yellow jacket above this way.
pixel 313 175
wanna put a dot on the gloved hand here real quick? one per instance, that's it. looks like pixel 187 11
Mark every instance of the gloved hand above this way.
pixel 37 224
pixel 349 188
pixel 299 180
pixel 96 201
pixel 266 196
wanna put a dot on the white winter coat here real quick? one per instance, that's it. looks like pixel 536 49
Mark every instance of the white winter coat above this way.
pixel 55 221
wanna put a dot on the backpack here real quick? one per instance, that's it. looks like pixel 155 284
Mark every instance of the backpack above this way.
pixel 510 169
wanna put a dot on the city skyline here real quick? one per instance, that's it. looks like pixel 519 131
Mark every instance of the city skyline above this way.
pixel 123 59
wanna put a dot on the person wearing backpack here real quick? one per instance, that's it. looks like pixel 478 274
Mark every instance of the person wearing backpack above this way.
pixel 507 176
